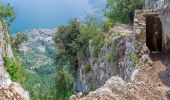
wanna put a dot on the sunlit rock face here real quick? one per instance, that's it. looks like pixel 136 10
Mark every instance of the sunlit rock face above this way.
pixel 118 46
pixel 145 82
pixel 8 90
pixel 154 4
pixel 150 79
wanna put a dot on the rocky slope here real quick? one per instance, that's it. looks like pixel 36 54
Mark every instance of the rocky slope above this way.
pixel 110 62
pixel 8 90
pixel 149 80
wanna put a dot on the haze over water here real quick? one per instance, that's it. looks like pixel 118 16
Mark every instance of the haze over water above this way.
pixel 46 13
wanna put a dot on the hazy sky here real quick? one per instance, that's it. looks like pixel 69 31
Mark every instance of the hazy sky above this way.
pixel 46 13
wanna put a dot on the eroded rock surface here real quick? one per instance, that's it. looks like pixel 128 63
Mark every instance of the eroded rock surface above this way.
pixel 101 68
pixel 150 81
pixel 8 90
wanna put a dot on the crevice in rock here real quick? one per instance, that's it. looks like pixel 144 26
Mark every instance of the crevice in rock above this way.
pixel 153 33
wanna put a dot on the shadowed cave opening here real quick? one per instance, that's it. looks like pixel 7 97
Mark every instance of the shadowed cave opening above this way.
pixel 153 33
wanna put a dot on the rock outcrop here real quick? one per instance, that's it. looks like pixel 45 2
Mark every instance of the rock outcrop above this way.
pixel 102 68
pixel 145 84
pixel 8 90
pixel 149 79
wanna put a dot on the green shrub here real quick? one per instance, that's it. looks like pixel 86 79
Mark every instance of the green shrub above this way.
pixel 107 24
pixel 7 12
pixel 134 59
pixel 122 11
pixel 97 42
pixel 92 89
pixel 87 68
pixel 13 67
pixel 110 57
pixel 64 81
pixel 18 40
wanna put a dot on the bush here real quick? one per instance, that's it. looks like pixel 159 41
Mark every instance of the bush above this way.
pixel 98 42
pixel 134 59
pixel 107 24
pixel 87 68
pixel 18 40
pixel 64 81
pixel 122 11
pixel 110 57
pixel 67 42
pixel 13 67
pixel 7 12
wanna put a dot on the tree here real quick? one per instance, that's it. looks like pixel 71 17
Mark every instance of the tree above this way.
pixel 64 81
pixel 65 40
pixel 18 40
pixel 7 12
pixel 122 10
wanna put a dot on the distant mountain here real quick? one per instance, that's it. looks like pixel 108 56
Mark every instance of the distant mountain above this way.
pixel 98 7
pixel 98 4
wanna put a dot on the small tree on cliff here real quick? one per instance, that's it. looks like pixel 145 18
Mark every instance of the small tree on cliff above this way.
pixel 122 10
pixel 7 12
pixel 66 41
pixel 18 40
pixel 64 81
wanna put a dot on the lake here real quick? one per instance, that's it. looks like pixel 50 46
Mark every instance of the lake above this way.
pixel 46 13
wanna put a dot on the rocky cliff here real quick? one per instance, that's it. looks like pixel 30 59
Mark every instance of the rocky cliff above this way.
pixel 135 75
pixel 110 62
pixel 8 90
pixel 148 80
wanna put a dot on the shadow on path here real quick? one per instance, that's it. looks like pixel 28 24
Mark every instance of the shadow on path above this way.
pixel 163 72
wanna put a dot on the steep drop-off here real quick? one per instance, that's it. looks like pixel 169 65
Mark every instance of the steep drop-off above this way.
pixel 148 79
pixel 8 90
pixel 38 55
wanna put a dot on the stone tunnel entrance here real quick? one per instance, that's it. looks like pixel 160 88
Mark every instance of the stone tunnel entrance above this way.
pixel 153 33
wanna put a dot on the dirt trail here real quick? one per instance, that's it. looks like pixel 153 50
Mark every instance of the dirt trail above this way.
pixel 161 63
pixel 150 82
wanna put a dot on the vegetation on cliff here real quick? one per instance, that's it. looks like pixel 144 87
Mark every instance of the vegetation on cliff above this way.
pixel 72 40
pixel 122 11
pixel 7 12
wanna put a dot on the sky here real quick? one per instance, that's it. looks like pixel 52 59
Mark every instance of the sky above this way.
pixel 46 13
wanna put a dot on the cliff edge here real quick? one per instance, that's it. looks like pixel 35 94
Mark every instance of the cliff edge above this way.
pixel 8 90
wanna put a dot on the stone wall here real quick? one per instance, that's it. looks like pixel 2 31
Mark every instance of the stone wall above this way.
pixel 140 31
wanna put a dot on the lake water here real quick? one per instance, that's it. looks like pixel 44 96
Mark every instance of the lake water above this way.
pixel 46 13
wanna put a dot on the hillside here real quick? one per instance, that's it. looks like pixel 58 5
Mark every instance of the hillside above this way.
pixel 140 68
pixel 119 51
pixel 37 55
pixel 149 79
pixel 9 89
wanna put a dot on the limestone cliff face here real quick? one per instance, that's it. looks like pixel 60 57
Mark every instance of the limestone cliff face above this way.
pixel 8 90
pixel 120 47
pixel 154 4
pixel 163 8
pixel 150 80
